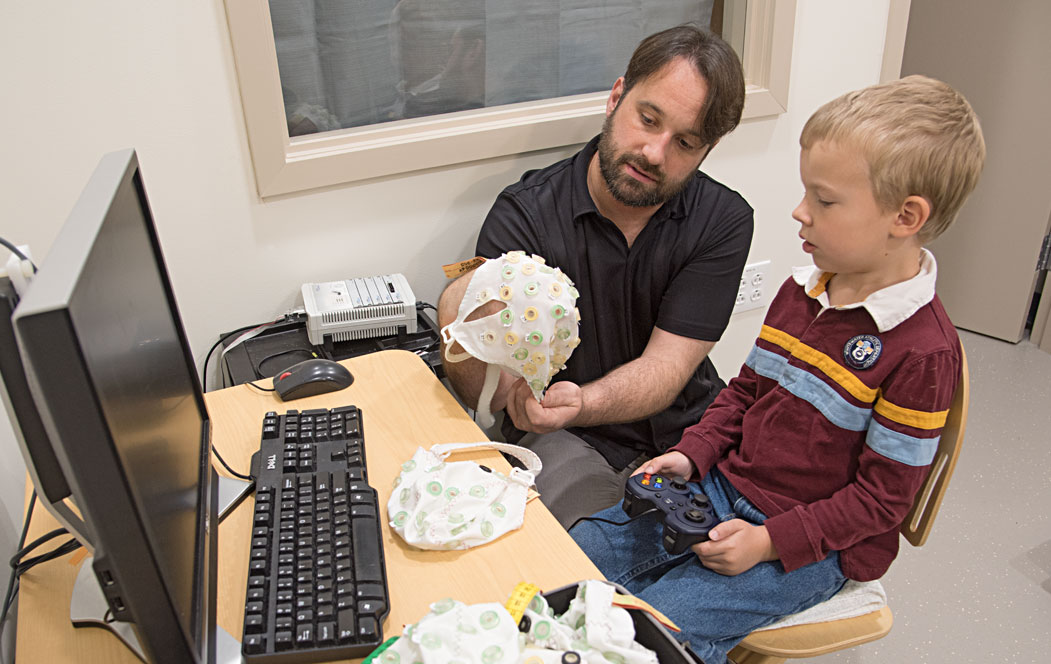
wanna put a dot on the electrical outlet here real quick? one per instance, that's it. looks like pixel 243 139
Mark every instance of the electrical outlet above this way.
pixel 754 290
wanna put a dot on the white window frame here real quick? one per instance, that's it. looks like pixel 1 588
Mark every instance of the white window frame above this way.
pixel 283 165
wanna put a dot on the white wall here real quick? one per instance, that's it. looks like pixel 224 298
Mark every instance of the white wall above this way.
pixel 82 79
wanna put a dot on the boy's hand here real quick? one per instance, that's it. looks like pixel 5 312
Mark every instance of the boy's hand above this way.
pixel 735 546
pixel 672 464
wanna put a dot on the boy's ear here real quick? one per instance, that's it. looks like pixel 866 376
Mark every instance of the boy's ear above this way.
pixel 912 215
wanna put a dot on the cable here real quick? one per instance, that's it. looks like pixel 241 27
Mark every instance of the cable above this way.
pixel 615 523
pixel 227 466
pixel 17 561
pixel 258 368
pixel 222 338
pixel 68 546
pixel 246 332
pixel 254 332
pixel 261 389
pixel 9 596
pixel 420 306
pixel 204 381
pixel 20 564
pixel 18 252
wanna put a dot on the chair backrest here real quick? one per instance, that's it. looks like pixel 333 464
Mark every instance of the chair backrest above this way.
pixel 917 525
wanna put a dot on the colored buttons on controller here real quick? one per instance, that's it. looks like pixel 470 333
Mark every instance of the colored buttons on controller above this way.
pixel 656 482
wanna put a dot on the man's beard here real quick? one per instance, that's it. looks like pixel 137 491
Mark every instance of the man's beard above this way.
pixel 625 189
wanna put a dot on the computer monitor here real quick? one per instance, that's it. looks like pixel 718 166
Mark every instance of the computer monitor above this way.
pixel 115 385
pixel 47 475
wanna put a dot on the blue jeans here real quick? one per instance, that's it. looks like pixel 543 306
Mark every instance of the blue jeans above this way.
pixel 714 611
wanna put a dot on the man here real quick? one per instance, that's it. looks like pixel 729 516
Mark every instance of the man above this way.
pixel 656 249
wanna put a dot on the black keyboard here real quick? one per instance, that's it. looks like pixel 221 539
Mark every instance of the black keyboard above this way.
pixel 317 584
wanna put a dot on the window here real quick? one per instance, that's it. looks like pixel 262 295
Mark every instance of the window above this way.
pixel 337 91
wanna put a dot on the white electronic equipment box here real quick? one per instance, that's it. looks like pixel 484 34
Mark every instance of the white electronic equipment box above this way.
pixel 359 308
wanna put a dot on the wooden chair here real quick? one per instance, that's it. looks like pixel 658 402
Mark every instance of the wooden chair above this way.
pixel 800 641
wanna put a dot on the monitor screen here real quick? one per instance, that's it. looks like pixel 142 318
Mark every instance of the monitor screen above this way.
pixel 112 375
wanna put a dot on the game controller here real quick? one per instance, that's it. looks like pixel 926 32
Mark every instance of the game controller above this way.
pixel 687 514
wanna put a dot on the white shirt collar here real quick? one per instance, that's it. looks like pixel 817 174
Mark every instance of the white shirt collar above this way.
pixel 888 306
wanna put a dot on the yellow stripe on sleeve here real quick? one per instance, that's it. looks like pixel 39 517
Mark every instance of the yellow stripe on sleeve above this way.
pixel 918 419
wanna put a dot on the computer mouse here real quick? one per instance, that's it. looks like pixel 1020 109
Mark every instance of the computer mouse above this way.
pixel 311 377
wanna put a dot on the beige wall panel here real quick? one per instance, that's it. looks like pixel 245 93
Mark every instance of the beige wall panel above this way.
pixel 997 55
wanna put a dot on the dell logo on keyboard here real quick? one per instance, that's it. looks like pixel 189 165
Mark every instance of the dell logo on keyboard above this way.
pixel 271 462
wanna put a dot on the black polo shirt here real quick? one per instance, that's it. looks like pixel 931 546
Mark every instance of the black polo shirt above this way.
pixel 681 275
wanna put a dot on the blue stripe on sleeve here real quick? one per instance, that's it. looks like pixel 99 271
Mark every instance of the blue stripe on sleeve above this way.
pixel 900 447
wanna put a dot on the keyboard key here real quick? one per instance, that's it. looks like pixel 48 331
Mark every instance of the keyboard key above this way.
pixel 253 623
pixel 362 511
pixel 370 591
pixel 326 633
pixel 368 628
pixel 371 607
pixel 347 626
pixel 368 558
pixel 253 643
pixel 283 640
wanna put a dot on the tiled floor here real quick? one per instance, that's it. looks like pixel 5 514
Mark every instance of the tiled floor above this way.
pixel 980 589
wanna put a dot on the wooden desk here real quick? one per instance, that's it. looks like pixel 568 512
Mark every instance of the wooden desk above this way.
pixel 403 406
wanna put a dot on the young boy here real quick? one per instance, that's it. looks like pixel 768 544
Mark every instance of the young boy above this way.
pixel 812 456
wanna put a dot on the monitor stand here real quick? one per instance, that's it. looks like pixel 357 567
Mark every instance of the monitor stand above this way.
pixel 88 607
pixel 231 493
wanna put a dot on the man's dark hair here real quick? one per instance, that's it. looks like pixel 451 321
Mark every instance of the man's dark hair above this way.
pixel 714 60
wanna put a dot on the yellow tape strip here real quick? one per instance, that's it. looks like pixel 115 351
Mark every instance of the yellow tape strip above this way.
pixel 632 602
pixel 453 270
pixel 521 596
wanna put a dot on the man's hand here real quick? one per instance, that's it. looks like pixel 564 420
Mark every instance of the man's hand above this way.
pixel 561 405
pixel 735 546
pixel 672 464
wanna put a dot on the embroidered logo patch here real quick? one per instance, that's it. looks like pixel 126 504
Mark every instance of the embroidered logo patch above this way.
pixel 862 351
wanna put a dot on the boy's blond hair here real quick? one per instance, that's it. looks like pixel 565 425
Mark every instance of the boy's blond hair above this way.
pixel 919 137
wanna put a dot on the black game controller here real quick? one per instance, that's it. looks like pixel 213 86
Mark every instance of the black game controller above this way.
pixel 687 515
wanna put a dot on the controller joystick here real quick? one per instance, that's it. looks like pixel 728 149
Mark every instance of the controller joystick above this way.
pixel 700 501
pixel 687 515
pixel 696 515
